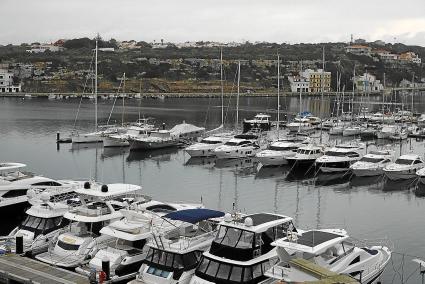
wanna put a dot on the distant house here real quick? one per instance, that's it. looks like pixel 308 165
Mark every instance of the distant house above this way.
pixel 106 49
pixel 368 83
pixel 410 57
pixel 358 49
pixel 44 47
pixel 311 81
pixel 6 83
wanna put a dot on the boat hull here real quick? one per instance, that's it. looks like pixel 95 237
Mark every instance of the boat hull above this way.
pixel 114 142
pixel 146 145
pixel 368 172
pixel 200 152
pixel 400 175
pixel 86 138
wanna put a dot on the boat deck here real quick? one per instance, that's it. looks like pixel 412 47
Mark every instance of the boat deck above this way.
pixel 15 268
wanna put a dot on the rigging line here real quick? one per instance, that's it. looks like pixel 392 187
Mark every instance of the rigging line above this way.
pixel 231 94
pixel 84 90
pixel 115 100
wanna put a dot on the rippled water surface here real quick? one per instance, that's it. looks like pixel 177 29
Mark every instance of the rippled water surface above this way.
pixel 369 208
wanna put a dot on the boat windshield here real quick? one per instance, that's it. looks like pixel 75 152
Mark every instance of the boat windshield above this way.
pixel 171 261
pixel 221 272
pixel 233 237
pixel 206 141
pixel 338 154
pixel 39 225
pixel 67 246
pixel 403 162
pixel 371 160
pixel 277 148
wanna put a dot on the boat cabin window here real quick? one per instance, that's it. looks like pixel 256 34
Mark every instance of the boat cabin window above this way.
pixel 47 183
pixel 216 271
pixel 206 141
pixel 172 261
pixel 355 260
pixel 233 237
pixel 231 143
pixel 278 148
pixel 417 162
pixel 371 160
pixel 14 193
pixel 39 225
pixel 404 162
pixel 336 154
pixel 67 246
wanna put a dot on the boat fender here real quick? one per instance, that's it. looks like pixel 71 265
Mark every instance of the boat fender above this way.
pixel 104 188
pixel 87 185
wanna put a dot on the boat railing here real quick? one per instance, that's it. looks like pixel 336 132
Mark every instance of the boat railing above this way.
pixel 185 242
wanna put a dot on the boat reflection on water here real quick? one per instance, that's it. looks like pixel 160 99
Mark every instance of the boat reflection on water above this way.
pixel 110 152
pixel 207 162
pixel 372 181
pixel 242 167
pixel 301 173
pixel 84 146
pixel 338 178
pixel 399 185
pixel 420 189
pixel 156 155
pixel 272 172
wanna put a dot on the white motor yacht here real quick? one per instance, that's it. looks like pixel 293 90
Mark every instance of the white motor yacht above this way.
pixel 386 132
pixel 242 250
pixel 300 124
pixel 336 130
pixel 400 134
pixel 141 128
pixel 14 184
pixel 279 150
pixel 421 175
pixel 156 140
pixel 306 155
pixel 174 254
pixel 404 167
pixel 382 118
pixel 100 205
pixel 340 157
pixel 260 122
pixel 206 147
pixel 373 163
pixel 303 256
pixel 241 146
pixel 351 131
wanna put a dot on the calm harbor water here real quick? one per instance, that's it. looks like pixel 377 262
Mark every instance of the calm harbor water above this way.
pixel 367 208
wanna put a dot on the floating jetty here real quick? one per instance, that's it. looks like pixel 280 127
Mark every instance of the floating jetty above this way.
pixel 18 269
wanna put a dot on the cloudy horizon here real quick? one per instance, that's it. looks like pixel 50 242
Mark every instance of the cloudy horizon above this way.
pixel 281 21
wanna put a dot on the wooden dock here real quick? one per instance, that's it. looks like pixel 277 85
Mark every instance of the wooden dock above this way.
pixel 19 269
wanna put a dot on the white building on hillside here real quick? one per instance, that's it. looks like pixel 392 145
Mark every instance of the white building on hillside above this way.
pixel 299 83
pixel 358 49
pixel 44 47
pixel 368 83
pixel 6 83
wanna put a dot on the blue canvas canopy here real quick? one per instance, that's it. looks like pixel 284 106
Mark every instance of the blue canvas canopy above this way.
pixel 194 215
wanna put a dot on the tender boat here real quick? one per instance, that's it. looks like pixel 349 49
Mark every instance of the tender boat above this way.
pixel 260 122
pixel 241 146
pixel 100 205
pixel 242 250
pixel 156 140
pixel 206 147
pixel 306 155
pixel 173 255
pixel 404 167
pixel 373 163
pixel 279 150
pixel 303 256
pixel 340 157
pixel 14 184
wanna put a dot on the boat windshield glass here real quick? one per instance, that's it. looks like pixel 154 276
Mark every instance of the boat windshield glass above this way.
pixel 206 141
pixel 39 225
pixel 403 162
pixel 172 261
pixel 371 160
pixel 233 237
pixel 214 270
pixel 231 143
pixel 335 154
pixel 277 148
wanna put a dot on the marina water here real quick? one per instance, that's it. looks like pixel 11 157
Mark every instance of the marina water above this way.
pixel 367 208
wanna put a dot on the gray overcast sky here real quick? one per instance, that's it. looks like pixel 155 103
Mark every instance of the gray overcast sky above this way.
pixel 219 20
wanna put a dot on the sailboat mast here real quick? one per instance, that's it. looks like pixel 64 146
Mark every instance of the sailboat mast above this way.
pixel 278 95
pixel 413 90
pixel 222 87
pixel 123 96
pixel 352 99
pixel 301 86
pixel 95 89
pixel 237 98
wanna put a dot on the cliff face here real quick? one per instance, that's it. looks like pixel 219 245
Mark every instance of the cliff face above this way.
pixel 194 69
